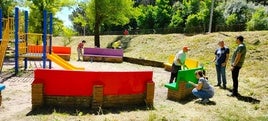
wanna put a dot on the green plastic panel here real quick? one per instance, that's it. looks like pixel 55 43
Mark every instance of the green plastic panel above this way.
pixel 184 75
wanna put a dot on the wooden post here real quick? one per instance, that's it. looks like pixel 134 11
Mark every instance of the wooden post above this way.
pixel 97 96
pixel 37 95
pixel 150 94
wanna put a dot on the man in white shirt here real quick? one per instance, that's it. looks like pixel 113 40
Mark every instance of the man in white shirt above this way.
pixel 179 61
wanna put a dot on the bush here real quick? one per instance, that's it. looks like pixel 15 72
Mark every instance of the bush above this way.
pixel 192 24
pixel 259 20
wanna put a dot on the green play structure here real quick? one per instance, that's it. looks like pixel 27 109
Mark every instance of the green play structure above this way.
pixel 180 89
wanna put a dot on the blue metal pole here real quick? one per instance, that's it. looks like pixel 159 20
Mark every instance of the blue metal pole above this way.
pixel 44 38
pixel 1 25
pixel 50 37
pixel 16 22
pixel 26 22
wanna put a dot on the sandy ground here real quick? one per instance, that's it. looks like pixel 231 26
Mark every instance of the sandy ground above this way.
pixel 16 103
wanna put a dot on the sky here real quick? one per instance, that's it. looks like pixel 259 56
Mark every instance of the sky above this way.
pixel 65 12
pixel 64 16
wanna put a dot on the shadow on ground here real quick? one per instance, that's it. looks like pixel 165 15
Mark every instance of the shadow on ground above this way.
pixel 185 100
pixel 78 111
pixel 191 98
pixel 209 103
pixel 246 98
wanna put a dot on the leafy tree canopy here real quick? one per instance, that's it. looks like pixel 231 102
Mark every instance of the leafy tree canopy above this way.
pixel 101 12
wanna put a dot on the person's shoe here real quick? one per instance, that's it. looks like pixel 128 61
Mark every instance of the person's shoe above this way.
pixel 204 101
pixel 218 85
pixel 224 87
pixel 232 95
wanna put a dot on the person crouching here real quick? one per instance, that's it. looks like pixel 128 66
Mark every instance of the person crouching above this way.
pixel 203 89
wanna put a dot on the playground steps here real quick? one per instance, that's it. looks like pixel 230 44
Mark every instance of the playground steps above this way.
pixel 10 52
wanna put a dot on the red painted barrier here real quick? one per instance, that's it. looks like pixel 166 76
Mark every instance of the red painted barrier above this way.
pixel 55 49
pixel 80 83
pixel 61 50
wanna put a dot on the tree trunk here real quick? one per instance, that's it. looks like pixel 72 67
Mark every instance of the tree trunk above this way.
pixel 97 26
pixel 97 34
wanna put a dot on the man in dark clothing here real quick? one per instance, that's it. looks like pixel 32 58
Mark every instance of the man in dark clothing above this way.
pixel 237 61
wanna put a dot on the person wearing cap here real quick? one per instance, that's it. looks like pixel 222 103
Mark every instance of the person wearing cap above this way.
pixel 221 59
pixel 179 61
pixel 237 61
pixel 80 49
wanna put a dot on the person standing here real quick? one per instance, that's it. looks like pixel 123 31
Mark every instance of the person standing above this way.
pixel 237 61
pixel 80 48
pixel 125 32
pixel 202 89
pixel 221 59
pixel 179 61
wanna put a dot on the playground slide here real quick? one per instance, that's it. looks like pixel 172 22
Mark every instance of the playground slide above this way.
pixel 58 60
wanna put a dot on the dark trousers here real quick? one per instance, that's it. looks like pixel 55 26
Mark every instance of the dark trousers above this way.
pixel 174 73
pixel 235 73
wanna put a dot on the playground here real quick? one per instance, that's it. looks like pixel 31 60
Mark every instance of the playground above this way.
pixel 16 103
pixel 17 97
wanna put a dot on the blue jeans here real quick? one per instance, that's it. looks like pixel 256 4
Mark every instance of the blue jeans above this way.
pixel 201 94
pixel 221 75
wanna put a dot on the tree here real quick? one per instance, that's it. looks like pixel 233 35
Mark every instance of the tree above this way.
pixel 100 12
pixel 179 17
pixel 237 12
pixel 259 20
pixel 67 33
pixel 38 6
pixel 148 16
pixel 204 14
pixel 7 7
pixel 192 23
pixel 177 21
pixel 183 9
pixel 57 26
pixel 218 18
pixel 80 26
pixel 163 13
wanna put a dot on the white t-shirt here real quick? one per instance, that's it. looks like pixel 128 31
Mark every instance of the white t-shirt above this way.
pixel 180 56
